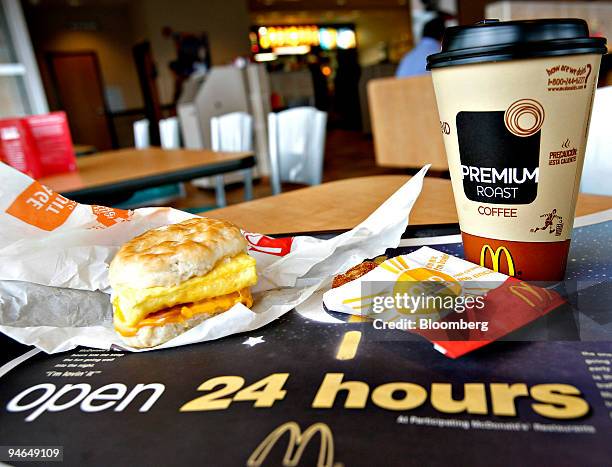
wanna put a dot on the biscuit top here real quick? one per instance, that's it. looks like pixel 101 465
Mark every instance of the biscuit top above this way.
pixel 172 254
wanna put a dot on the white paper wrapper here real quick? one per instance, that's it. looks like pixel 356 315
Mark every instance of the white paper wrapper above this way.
pixel 59 252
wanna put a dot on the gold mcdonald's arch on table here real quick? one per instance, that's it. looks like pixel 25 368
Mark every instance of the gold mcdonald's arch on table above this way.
pixel 296 446
pixel 496 258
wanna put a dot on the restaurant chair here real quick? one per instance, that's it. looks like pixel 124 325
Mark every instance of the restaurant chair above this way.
pixel 163 194
pixel 405 123
pixel 141 134
pixel 597 171
pixel 296 145
pixel 368 73
pixel 232 132
pixel 169 133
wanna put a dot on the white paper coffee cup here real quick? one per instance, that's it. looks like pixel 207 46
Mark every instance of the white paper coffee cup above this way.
pixel 517 100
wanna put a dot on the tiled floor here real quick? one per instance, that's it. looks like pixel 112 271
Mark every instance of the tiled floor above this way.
pixel 348 154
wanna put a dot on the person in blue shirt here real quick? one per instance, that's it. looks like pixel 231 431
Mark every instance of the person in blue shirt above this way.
pixel 413 63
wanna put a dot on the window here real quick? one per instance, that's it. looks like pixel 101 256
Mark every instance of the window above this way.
pixel 21 91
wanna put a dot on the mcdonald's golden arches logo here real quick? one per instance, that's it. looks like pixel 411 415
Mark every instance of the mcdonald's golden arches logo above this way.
pixel 533 296
pixel 296 446
pixel 496 258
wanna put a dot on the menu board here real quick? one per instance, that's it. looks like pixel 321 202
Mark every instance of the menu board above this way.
pixel 317 388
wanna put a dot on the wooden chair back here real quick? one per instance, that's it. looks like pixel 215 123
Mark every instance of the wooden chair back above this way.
pixel 405 123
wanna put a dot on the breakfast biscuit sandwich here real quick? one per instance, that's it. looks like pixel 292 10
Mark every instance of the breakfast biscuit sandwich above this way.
pixel 172 278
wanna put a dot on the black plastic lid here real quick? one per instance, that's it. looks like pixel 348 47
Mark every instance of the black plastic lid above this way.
pixel 492 40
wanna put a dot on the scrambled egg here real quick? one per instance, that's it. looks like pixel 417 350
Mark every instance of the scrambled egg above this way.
pixel 225 278
pixel 179 313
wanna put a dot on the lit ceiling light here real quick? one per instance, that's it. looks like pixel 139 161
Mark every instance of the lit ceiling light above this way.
pixel 346 39
pixel 327 38
pixel 265 57
pixel 292 50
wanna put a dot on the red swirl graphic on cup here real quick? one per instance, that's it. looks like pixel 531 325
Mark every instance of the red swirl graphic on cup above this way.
pixel 524 117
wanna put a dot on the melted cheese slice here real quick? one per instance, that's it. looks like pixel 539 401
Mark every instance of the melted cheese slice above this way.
pixel 181 313
pixel 230 275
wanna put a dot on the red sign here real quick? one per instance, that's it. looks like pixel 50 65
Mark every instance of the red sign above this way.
pixel 17 147
pixel 53 142
pixel 37 145
pixel 269 245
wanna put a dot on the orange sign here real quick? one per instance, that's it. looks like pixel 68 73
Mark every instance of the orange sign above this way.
pixel 41 207
pixel 110 216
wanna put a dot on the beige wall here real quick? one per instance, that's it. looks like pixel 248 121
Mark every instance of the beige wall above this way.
pixel 53 29
pixel 392 28
pixel 226 22
pixel 119 25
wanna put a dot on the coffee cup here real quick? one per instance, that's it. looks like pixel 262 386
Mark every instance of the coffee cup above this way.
pixel 515 101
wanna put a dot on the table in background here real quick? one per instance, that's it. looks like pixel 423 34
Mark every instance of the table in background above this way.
pixel 345 203
pixel 84 149
pixel 116 174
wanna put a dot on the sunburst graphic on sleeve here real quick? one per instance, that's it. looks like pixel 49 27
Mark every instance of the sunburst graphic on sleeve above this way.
pixel 404 278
